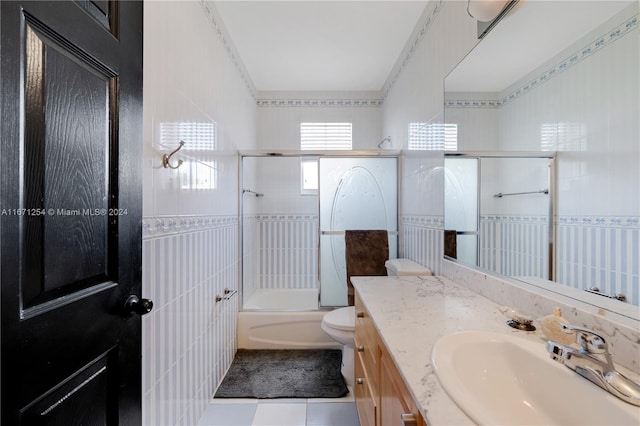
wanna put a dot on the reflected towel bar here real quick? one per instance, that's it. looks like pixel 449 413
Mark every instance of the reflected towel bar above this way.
pixel 257 194
pixel 500 194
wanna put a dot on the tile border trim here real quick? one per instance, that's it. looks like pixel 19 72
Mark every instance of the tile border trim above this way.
pixel 319 103
pixel 161 226
pixel 422 221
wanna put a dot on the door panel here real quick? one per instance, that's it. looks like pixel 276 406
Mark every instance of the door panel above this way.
pixel 84 398
pixel 70 229
pixel 355 193
pixel 462 208
pixel 72 226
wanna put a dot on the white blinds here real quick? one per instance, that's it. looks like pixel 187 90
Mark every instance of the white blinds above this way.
pixel 325 136
pixel 433 136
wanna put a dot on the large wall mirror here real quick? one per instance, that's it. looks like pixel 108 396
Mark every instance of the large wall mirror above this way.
pixel 561 78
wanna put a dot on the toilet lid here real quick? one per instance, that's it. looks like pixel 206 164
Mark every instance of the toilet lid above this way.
pixel 341 319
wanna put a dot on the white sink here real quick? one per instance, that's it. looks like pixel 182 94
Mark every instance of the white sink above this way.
pixel 501 379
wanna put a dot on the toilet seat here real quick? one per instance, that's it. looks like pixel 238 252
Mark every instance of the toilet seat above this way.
pixel 341 319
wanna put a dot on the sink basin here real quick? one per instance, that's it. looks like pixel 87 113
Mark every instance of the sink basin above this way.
pixel 501 379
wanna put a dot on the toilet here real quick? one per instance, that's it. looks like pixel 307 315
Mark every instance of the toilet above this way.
pixel 405 267
pixel 340 323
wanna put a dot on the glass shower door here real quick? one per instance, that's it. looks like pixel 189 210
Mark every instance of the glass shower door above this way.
pixel 355 194
pixel 461 205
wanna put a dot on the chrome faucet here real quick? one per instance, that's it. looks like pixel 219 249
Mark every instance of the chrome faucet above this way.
pixel 593 362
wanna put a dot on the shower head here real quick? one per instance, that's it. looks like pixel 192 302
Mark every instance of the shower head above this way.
pixel 257 194
pixel 387 139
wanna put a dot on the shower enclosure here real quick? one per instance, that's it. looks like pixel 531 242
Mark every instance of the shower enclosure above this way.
pixel 295 207
pixel 500 207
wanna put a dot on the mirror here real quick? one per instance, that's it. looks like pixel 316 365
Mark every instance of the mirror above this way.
pixel 561 77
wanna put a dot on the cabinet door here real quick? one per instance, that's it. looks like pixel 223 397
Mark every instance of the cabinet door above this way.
pixel 395 400
pixel 365 396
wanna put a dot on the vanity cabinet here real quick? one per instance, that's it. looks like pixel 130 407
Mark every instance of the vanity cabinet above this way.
pixel 382 397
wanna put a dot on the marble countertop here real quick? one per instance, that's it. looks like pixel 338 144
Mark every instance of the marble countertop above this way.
pixel 412 313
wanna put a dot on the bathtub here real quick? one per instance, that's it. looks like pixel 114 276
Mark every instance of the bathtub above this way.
pixel 283 319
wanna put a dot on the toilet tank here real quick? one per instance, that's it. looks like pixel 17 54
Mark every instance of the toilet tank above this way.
pixel 405 267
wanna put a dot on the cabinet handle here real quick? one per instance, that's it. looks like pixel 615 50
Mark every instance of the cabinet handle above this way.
pixel 408 420
pixel 359 380
pixel 360 314
pixel 361 348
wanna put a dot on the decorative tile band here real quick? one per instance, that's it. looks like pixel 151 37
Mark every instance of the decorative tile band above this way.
pixel 598 44
pixel 319 103
pixel 161 226
pixel 436 222
pixel 602 221
pixel 281 217
pixel 472 104
pixel 515 218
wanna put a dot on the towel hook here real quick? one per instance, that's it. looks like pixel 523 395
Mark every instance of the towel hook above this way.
pixel 167 157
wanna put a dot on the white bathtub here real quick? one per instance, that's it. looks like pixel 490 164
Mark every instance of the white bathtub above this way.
pixel 290 320
pixel 282 300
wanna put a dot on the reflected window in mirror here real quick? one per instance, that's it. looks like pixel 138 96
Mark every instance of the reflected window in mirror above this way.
pixel 433 136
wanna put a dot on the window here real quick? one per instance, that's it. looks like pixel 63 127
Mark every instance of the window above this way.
pixel 325 136
pixel 320 136
pixel 309 176
pixel 433 136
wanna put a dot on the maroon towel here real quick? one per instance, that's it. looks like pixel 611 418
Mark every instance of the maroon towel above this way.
pixel 366 252
pixel 450 243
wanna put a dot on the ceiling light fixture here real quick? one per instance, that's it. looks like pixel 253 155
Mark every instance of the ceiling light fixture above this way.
pixel 485 10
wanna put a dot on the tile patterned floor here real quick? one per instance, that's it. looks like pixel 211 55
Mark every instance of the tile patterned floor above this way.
pixel 282 412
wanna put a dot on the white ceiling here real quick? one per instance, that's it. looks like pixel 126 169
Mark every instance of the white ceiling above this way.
pixel 319 45
pixel 532 33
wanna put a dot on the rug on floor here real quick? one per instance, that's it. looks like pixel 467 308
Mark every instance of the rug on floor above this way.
pixel 284 373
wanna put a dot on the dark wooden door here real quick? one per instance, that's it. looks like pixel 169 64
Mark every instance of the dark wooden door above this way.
pixel 70 202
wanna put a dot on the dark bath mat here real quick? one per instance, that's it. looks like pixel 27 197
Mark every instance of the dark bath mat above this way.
pixel 276 373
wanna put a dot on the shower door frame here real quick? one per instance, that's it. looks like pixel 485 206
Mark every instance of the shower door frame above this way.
pixel 302 154
pixel 549 155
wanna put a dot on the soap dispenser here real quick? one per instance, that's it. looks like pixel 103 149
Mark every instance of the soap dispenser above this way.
pixel 553 331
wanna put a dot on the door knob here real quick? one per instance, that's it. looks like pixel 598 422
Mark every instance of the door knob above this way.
pixel 135 305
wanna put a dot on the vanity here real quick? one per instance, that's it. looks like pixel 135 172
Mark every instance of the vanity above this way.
pixel 400 319
pixel 382 397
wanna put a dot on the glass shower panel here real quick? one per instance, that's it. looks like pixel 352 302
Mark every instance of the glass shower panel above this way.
pixel 355 193
pixel 514 216
pixel 279 235
pixel 461 205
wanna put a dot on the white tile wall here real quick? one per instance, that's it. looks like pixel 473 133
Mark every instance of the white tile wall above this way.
pixel 515 244
pixel 414 93
pixel 188 338
pixel 287 256
pixel 600 252
pixel 280 252
pixel 421 240
pixel 190 215
pixel 588 112
pixel 280 115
